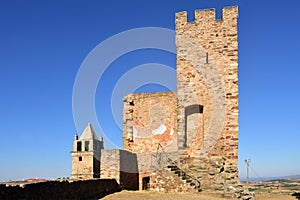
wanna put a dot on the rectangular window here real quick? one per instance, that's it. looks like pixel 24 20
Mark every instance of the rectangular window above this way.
pixel 78 146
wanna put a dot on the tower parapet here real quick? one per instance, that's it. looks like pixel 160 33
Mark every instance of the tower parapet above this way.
pixel 207 15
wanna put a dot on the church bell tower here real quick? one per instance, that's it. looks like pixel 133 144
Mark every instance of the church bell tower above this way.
pixel 86 154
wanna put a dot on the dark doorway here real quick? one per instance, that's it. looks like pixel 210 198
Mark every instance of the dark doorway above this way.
pixel 193 121
pixel 146 183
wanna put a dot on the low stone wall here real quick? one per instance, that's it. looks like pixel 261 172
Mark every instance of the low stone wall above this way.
pixel 67 189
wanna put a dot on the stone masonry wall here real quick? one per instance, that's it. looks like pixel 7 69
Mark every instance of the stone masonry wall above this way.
pixel 121 165
pixel 83 168
pixel 110 164
pixel 129 172
pixel 163 180
pixel 79 189
pixel 207 75
pixel 214 176
pixel 150 120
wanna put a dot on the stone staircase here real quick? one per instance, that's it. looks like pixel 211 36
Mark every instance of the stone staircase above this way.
pixel 191 182
pixel 212 178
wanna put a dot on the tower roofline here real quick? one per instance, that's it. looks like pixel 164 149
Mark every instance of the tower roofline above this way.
pixel 88 133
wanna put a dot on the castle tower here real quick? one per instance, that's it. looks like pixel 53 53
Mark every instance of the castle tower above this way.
pixel 207 106
pixel 207 84
pixel 86 154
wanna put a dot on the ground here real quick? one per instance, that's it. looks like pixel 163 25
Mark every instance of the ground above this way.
pixel 137 195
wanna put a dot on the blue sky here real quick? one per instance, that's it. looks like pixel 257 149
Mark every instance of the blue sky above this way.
pixel 43 44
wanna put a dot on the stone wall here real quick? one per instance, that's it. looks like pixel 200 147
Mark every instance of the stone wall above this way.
pixel 85 165
pixel 80 189
pixel 129 173
pixel 150 120
pixel 121 165
pixel 213 174
pixel 164 180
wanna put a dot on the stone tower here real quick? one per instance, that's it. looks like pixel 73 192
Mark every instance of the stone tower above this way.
pixel 86 154
pixel 207 84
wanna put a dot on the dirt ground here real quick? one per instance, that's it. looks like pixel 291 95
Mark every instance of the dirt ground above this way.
pixel 140 195
pixel 274 197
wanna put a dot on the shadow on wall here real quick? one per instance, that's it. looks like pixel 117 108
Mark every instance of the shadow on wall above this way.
pixel 129 172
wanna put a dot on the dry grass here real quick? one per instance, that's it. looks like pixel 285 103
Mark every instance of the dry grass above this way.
pixel 140 195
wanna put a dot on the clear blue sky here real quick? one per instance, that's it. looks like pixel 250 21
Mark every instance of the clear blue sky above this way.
pixel 42 46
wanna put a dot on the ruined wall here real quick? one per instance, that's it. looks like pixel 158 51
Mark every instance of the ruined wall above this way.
pixel 80 189
pixel 122 166
pixel 150 127
pixel 150 120
pixel 207 77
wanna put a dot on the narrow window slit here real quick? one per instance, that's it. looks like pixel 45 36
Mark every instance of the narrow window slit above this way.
pixel 206 58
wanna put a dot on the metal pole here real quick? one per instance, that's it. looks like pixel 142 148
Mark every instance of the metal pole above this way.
pixel 247 171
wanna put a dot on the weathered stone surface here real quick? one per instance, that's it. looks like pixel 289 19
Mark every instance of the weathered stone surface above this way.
pixel 149 121
pixel 122 166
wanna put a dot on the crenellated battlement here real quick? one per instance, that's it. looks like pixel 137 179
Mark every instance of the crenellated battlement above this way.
pixel 208 15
